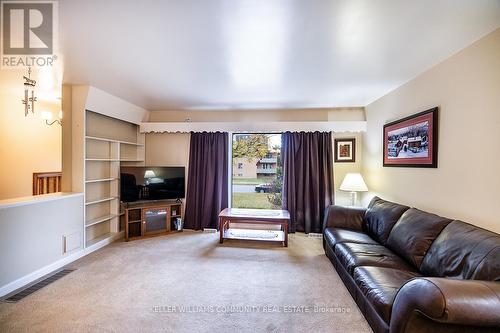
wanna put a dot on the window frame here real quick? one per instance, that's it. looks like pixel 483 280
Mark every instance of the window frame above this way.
pixel 230 161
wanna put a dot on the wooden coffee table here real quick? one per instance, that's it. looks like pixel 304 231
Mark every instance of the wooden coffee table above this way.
pixel 234 216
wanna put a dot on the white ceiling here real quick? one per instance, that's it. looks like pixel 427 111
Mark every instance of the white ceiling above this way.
pixel 247 54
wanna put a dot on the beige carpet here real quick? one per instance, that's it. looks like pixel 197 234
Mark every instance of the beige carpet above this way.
pixel 187 282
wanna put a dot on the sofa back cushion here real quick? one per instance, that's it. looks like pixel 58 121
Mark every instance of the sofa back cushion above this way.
pixel 380 217
pixel 464 251
pixel 414 233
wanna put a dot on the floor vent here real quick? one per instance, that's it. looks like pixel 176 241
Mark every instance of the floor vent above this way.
pixel 37 286
pixel 314 235
pixel 209 230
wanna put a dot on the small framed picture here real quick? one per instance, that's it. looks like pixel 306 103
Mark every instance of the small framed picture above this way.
pixel 412 141
pixel 345 150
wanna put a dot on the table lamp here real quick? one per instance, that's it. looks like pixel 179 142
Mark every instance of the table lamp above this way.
pixel 354 183
pixel 148 175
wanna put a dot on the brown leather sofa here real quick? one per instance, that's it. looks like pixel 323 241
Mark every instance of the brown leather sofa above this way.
pixel 412 271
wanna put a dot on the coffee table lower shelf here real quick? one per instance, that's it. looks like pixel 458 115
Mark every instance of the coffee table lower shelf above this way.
pixel 252 234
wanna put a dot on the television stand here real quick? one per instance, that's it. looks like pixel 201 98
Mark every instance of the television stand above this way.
pixel 151 218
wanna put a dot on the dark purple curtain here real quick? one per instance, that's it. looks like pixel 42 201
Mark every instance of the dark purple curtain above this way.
pixel 207 180
pixel 307 178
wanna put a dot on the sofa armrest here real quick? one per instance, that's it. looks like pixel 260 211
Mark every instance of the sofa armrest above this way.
pixel 447 301
pixel 344 217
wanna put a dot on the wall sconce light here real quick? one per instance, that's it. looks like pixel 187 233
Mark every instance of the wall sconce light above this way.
pixel 29 86
pixel 48 117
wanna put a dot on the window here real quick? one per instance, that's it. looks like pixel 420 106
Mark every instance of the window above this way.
pixel 256 176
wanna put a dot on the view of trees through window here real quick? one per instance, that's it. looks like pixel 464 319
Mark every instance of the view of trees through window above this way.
pixel 257 174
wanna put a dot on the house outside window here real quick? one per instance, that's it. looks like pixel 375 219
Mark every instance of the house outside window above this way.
pixel 256 176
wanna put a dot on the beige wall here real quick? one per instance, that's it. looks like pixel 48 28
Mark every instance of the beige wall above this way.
pixel 341 169
pixel 27 145
pixel 167 149
pixel 466 184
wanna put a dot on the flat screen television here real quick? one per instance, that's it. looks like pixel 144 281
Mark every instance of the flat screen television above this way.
pixel 151 183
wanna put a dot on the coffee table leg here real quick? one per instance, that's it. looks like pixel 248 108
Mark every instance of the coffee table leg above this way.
pixel 285 227
pixel 221 230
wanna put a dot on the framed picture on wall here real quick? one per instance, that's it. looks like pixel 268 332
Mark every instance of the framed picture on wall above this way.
pixel 412 141
pixel 345 150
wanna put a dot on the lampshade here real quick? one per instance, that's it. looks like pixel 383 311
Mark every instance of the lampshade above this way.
pixel 353 182
pixel 149 174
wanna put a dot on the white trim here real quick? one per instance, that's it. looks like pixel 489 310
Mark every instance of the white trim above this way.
pixel 249 127
pixel 39 273
pixel 230 171
pixel 36 199
pixel 27 279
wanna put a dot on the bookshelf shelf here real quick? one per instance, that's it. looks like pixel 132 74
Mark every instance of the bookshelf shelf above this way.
pixel 112 140
pixel 131 143
pixel 90 181
pixel 100 220
pixel 131 160
pixel 100 200
pixel 101 238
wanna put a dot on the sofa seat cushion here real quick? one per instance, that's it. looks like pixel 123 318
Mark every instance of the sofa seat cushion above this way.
pixel 335 236
pixel 380 285
pixel 352 255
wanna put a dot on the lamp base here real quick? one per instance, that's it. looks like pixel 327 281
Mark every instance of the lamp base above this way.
pixel 354 198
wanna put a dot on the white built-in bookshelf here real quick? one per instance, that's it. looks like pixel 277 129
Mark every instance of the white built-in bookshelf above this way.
pixel 109 143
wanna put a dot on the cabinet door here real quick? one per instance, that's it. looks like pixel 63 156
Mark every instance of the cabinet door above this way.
pixel 155 220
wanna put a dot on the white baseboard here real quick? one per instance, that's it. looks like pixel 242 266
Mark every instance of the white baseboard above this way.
pixel 39 273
